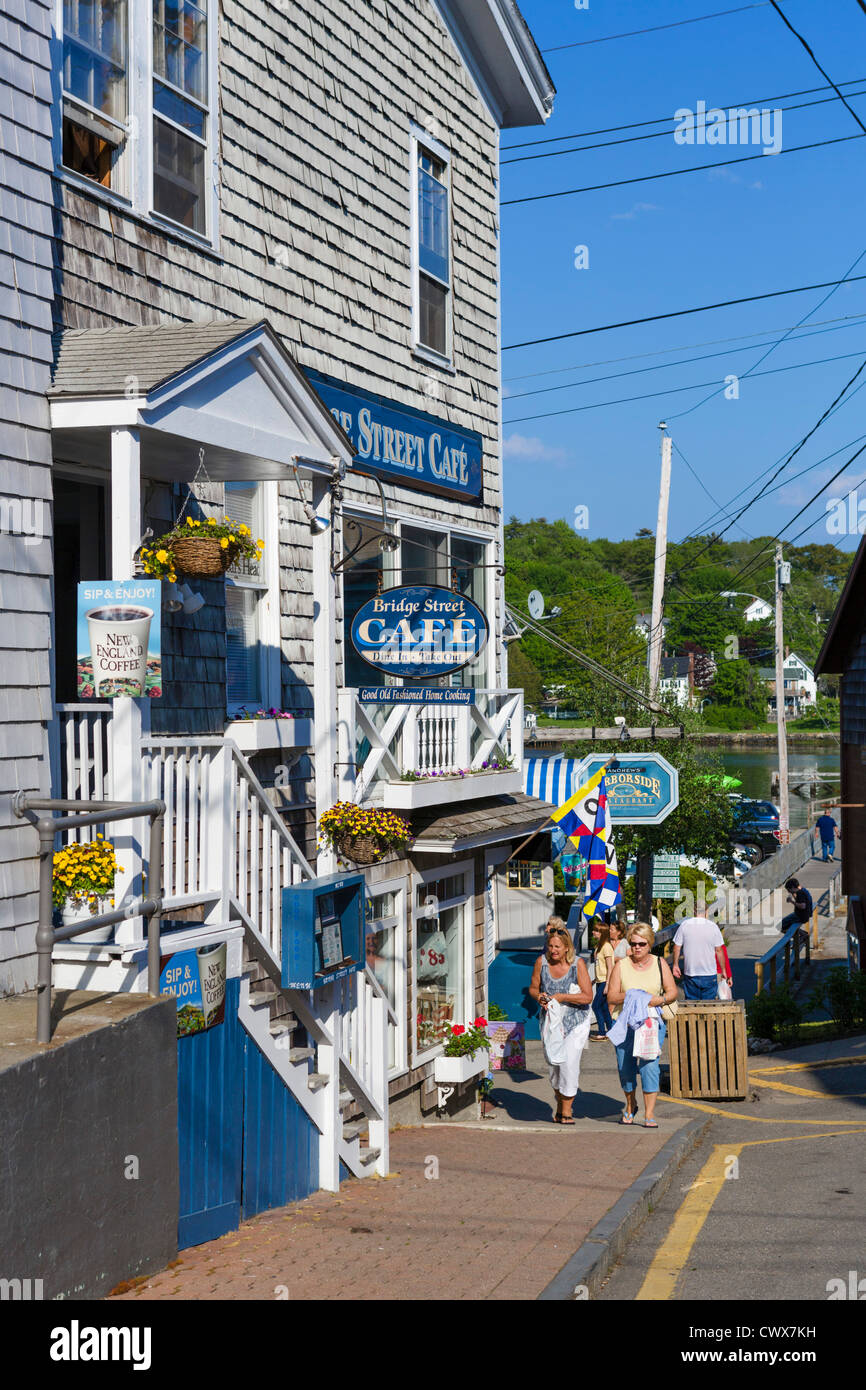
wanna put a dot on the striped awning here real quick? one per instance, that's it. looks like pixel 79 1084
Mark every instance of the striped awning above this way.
pixel 550 779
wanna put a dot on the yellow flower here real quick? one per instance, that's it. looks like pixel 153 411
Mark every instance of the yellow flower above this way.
pixel 162 556
pixel 211 521
pixel 224 543
pixel 244 530
pixel 260 542
pixel 196 523
pixel 172 579
pixel 189 521
pixel 231 538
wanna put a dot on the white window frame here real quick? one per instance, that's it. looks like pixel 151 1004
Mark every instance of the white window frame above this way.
pixel 485 538
pixel 467 903
pixel 419 139
pixel 397 922
pixel 137 192
pixel 268 610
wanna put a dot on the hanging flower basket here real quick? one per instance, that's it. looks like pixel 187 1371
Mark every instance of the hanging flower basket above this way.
pixel 201 549
pixel 360 849
pixel 363 835
pixel 202 559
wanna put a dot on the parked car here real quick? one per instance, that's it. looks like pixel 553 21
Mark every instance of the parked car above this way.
pixel 755 832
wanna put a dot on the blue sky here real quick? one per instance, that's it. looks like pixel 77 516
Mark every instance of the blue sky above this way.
pixel 652 247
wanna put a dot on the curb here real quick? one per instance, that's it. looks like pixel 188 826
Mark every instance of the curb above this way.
pixel 590 1265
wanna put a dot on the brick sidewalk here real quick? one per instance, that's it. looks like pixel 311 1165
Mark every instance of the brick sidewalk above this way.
pixel 505 1213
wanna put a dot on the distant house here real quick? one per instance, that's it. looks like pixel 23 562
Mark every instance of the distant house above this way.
pixel 643 623
pixel 757 611
pixel 801 688
pixel 844 654
pixel 677 678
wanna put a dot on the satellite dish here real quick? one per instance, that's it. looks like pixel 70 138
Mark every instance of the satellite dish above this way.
pixel 535 604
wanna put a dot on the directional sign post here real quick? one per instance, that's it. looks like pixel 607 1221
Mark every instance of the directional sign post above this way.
pixel 666 875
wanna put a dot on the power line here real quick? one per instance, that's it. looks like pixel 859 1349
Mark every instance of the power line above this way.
pixel 663 366
pixel 674 173
pixel 678 24
pixel 788 459
pixel 675 390
pixel 636 125
pixel 844 319
pixel 822 71
pixel 753 369
pixel 654 134
pixel 682 313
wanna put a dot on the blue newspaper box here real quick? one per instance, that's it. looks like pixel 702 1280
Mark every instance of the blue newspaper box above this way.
pixel 323 930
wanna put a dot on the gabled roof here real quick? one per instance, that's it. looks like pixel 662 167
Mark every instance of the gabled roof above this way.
pixel 847 621
pixel 497 47
pixel 94 362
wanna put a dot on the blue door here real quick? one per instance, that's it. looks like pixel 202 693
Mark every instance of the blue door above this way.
pixel 210 1110
pixel 245 1144
pixel 281 1148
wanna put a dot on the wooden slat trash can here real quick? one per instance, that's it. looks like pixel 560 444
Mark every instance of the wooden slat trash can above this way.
pixel 708 1051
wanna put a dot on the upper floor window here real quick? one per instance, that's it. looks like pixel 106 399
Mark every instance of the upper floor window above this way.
pixel 180 90
pixel 431 251
pixel 96 89
pixel 138 104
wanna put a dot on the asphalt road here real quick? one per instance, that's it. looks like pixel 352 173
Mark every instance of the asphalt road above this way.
pixel 770 1205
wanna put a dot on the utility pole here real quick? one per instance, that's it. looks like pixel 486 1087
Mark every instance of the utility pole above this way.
pixel 643 883
pixel 783 577
pixel 654 652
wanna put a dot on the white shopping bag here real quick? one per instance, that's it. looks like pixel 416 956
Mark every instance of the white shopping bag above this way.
pixel 646 1040
pixel 724 991
pixel 553 1034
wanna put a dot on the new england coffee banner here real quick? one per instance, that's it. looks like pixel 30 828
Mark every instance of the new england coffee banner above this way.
pixel 118 639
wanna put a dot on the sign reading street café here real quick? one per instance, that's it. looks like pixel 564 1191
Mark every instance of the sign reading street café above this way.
pixel 403 444
pixel 418 631
pixel 642 789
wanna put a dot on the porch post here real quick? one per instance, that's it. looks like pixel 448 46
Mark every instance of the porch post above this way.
pixel 324 668
pixel 130 717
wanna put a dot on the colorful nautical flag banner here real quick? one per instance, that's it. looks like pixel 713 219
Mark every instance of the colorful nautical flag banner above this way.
pixel 585 820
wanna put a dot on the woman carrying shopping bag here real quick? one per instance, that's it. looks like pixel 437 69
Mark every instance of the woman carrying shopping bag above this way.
pixel 646 975
pixel 561 985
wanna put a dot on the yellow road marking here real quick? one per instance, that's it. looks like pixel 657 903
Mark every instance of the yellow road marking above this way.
pixel 754 1119
pixel 671 1257
pixel 802 1091
pixel 811 1066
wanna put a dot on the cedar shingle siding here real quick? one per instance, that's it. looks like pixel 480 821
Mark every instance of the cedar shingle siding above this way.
pixel 25 474
pixel 315 105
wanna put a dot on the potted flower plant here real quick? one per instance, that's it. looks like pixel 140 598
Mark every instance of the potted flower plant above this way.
pixel 363 834
pixel 200 549
pixel 465 1054
pixel 83 884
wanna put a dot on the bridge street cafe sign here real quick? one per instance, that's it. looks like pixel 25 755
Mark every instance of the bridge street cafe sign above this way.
pixel 419 631
pixel 402 444
pixel 642 789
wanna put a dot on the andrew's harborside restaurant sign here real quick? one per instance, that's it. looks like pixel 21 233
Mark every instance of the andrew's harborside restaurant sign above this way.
pixel 403 444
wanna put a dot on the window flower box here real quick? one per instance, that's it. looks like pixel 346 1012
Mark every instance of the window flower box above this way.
pixel 258 735
pixel 439 791
pixel 452 1071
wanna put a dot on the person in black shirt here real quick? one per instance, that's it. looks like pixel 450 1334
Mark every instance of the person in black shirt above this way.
pixel 802 901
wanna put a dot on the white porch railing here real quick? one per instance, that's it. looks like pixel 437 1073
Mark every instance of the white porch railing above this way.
pixel 378 743
pixel 80 757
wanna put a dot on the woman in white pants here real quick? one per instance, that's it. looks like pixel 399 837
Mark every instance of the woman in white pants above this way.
pixel 558 977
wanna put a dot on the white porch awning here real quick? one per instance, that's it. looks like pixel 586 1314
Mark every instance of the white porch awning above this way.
pixel 229 387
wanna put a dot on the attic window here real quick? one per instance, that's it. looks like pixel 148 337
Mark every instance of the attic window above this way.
pixel 95 89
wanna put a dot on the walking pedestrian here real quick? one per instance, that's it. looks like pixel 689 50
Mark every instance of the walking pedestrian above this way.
pixel 700 943
pixel 617 939
pixel 603 957
pixel 647 976
pixel 828 830
pixel 560 983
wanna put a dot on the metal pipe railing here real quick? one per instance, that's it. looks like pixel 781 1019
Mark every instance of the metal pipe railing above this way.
pixel 48 827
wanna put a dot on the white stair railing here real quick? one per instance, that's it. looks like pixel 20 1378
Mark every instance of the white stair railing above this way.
pixel 79 749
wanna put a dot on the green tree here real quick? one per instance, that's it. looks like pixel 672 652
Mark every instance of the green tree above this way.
pixel 524 675
pixel 737 683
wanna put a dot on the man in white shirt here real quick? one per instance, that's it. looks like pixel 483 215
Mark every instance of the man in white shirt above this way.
pixel 700 943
